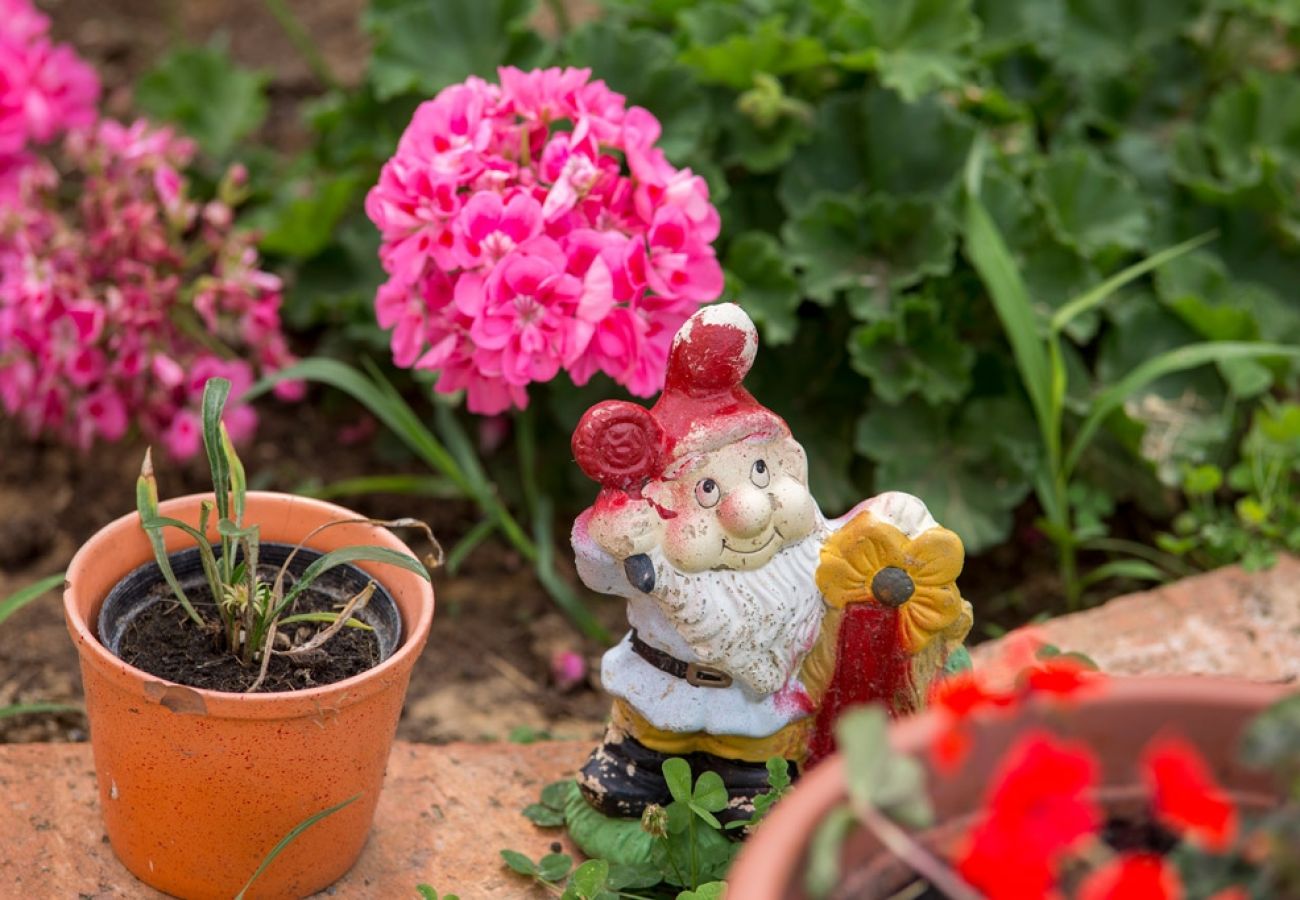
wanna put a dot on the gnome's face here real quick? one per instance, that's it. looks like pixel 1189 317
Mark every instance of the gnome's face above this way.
pixel 736 507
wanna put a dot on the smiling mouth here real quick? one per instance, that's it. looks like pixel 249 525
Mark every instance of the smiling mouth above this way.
pixel 771 537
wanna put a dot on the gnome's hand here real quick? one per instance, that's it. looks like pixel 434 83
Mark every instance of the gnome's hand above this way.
pixel 640 572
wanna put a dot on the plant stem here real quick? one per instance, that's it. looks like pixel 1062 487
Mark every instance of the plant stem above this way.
pixel 302 41
pixel 922 862
pixel 695 879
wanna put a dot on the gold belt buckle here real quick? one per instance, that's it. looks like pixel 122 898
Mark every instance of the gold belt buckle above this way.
pixel 706 676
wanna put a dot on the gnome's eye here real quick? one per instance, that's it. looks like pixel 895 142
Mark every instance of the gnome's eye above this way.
pixel 707 493
pixel 760 474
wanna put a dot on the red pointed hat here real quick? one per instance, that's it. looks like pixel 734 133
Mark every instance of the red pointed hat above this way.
pixel 703 407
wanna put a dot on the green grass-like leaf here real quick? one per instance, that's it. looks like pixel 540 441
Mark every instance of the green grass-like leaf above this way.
pixel 385 406
pixel 26 709
pixel 405 485
pixel 1176 360
pixel 215 393
pixel 343 555
pixel 996 266
pixel 1098 295
pixel 30 594
pixel 290 838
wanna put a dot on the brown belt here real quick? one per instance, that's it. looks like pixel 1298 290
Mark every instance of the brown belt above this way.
pixel 696 674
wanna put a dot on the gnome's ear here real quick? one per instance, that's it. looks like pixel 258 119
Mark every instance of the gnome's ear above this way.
pixel 619 444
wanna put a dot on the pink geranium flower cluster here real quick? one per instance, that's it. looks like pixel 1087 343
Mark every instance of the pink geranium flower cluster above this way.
pixel 120 296
pixel 45 89
pixel 534 226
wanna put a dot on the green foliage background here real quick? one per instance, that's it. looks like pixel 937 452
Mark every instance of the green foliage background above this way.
pixel 833 134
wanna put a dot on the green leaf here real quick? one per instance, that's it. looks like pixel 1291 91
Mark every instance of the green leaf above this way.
pixel 679 816
pixel 937 138
pixel 714 890
pixel 394 412
pixel 403 485
pixel 706 815
pixel 879 246
pixel 1168 258
pixel 554 866
pixel 519 863
pixel 202 90
pixel 710 792
pixel 641 65
pixel 543 816
pixel 761 278
pixel 1273 740
pixel 1253 129
pixel 677 773
pixel 422 46
pixel 1097 38
pixel 146 504
pixel 556 794
pixel 997 268
pixel 914 351
pixel 320 617
pixel 1091 206
pixel 1178 360
pixel 590 878
pixel 879 776
pixel 33 592
pixel 971 468
pixel 823 873
pixel 302 224
pixel 343 555
pixel 215 392
pixel 916 46
pixel 1133 569
pixel 28 709
pixel 290 838
pixel 832 162
pixel 727 49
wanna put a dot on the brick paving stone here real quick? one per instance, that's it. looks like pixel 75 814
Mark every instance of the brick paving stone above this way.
pixel 444 814
pixel 1225 622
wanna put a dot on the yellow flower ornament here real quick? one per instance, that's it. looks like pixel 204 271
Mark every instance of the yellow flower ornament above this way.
pixel 871 561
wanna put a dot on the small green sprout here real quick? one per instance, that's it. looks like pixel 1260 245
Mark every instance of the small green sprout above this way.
pixel 252 607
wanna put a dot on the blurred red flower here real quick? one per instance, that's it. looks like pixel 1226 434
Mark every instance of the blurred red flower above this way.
pixel 1039 808
pixel 1185 795
pixel 1133 876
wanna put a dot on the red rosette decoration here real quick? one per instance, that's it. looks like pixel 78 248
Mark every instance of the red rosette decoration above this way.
pixel 619 445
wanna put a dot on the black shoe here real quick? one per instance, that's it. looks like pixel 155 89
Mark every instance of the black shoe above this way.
pixel 623 776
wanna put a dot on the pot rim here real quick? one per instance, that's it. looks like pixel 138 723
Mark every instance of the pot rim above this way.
pixel 223 704
pixel 772 857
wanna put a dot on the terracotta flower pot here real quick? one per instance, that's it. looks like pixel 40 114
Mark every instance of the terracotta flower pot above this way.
pixel 197 786
pixel 1117 721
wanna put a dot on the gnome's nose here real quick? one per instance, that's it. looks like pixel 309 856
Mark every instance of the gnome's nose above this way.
pixel 745 512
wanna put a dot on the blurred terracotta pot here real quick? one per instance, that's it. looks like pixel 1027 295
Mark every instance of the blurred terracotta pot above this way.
pixel 197 786
pixel 1117 721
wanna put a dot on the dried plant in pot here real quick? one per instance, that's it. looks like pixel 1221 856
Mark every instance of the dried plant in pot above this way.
pixel 1124 787
pixel 270 718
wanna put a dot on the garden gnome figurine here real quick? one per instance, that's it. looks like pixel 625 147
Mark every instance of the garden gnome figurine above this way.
pixel 754 619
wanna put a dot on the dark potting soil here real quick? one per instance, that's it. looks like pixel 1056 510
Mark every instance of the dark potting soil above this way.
pixel 162 640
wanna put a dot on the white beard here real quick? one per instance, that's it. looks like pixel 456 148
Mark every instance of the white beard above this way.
pixel 755 626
